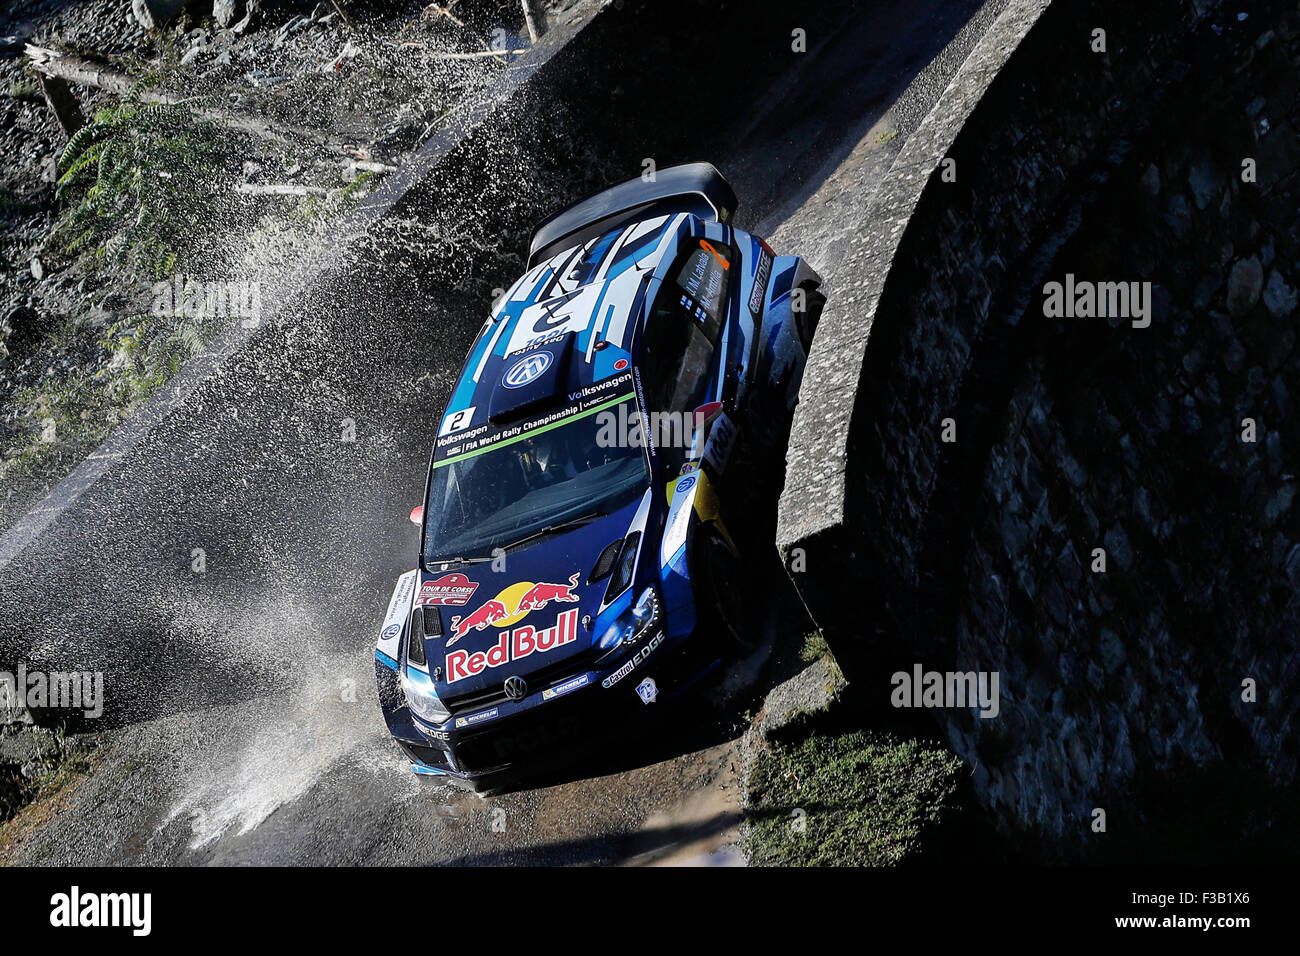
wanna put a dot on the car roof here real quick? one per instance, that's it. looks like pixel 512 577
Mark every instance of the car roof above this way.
pixel 568 305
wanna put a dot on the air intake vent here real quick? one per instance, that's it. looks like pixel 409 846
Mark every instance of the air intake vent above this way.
pixel 623 567
pixel 415 640
pixel 605 563
pixel 432 621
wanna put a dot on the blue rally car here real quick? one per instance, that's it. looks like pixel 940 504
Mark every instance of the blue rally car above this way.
pixel 574 554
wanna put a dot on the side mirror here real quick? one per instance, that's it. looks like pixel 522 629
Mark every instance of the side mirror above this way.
pixel 417 514
pixel 707 412
pixel 703 417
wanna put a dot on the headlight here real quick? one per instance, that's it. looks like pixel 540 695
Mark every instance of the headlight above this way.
pixel 415 681
pixel 422 697
pixel 630 626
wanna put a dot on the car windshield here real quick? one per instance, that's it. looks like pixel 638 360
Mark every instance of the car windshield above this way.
pixel 496 496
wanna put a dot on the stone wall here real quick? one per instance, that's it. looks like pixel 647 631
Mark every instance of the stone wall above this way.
pixel 1078 434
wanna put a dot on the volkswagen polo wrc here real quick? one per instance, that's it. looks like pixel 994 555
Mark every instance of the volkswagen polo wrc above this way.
pixel 575 555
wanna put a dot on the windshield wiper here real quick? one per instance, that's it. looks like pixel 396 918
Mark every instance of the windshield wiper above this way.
pixel 476 559
pixel 555 528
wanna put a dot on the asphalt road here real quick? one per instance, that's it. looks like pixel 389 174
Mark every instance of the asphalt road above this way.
pixel 242 725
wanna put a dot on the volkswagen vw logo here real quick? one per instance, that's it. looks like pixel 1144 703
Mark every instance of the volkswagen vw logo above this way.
pixel 516 688
pixel 526 369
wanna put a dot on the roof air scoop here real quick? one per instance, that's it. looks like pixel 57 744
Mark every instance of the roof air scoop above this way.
pixel 534 377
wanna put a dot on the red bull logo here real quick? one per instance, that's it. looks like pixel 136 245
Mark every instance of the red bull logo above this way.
pixel 513 646
pixel 487 615
pixel 540 595
pixel 514 604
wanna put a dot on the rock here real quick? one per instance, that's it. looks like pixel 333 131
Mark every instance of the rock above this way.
pixel 142 14
pixel 249 17
pixel 1293 564
pixel 811 690
pixel 1245 283
pixel 21 329
pixel 1279 503
pixel 1074 472
pixel 156 13
pixel 1151 181
pixel 1117 547
pixel 1054 598
pixel 1279 298
pixel 1234 356
pixel 225 11
pixel 1203 183
pixel 1015 534
pixel 1178 217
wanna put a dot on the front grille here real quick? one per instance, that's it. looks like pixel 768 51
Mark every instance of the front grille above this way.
pixel 533 741
pixel 537 680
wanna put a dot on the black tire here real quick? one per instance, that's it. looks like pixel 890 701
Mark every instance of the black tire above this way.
pixel 806 321
pixel 724 600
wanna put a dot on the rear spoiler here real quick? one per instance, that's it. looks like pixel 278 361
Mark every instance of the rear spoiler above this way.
pixel 696 188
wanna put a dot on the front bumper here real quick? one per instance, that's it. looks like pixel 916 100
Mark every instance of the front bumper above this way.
pixel 577 711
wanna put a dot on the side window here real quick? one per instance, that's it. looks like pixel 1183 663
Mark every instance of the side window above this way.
pixel 684 326
pixel 675 356
pixel 702 277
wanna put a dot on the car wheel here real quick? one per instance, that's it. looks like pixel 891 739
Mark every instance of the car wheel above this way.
pixel 806 321
pixel 724 591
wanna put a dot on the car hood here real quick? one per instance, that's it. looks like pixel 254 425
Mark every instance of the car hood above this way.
pixel 523 619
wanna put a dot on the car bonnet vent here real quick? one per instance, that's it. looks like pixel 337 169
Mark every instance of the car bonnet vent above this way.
pixel 432 621
pixel 605 563
pixel 415 639
pixel 531 380
pixel 624 565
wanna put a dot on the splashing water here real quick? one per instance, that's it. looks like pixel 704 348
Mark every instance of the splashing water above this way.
pixel 279 747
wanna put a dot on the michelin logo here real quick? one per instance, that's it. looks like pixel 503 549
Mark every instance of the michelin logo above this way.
pixel 552 692
pixel 476 718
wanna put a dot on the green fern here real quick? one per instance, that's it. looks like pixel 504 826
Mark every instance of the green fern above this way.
pixel 140 182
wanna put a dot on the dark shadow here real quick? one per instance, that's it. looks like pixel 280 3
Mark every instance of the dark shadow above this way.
pixel 593 851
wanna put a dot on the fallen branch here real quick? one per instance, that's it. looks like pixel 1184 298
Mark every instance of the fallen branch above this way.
pixel 278 189
pixel 535 19
pixel 79 70
pixel 89 72
pixel 466 55
pixel 62 104
pixel 368 166
pixel 339 7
